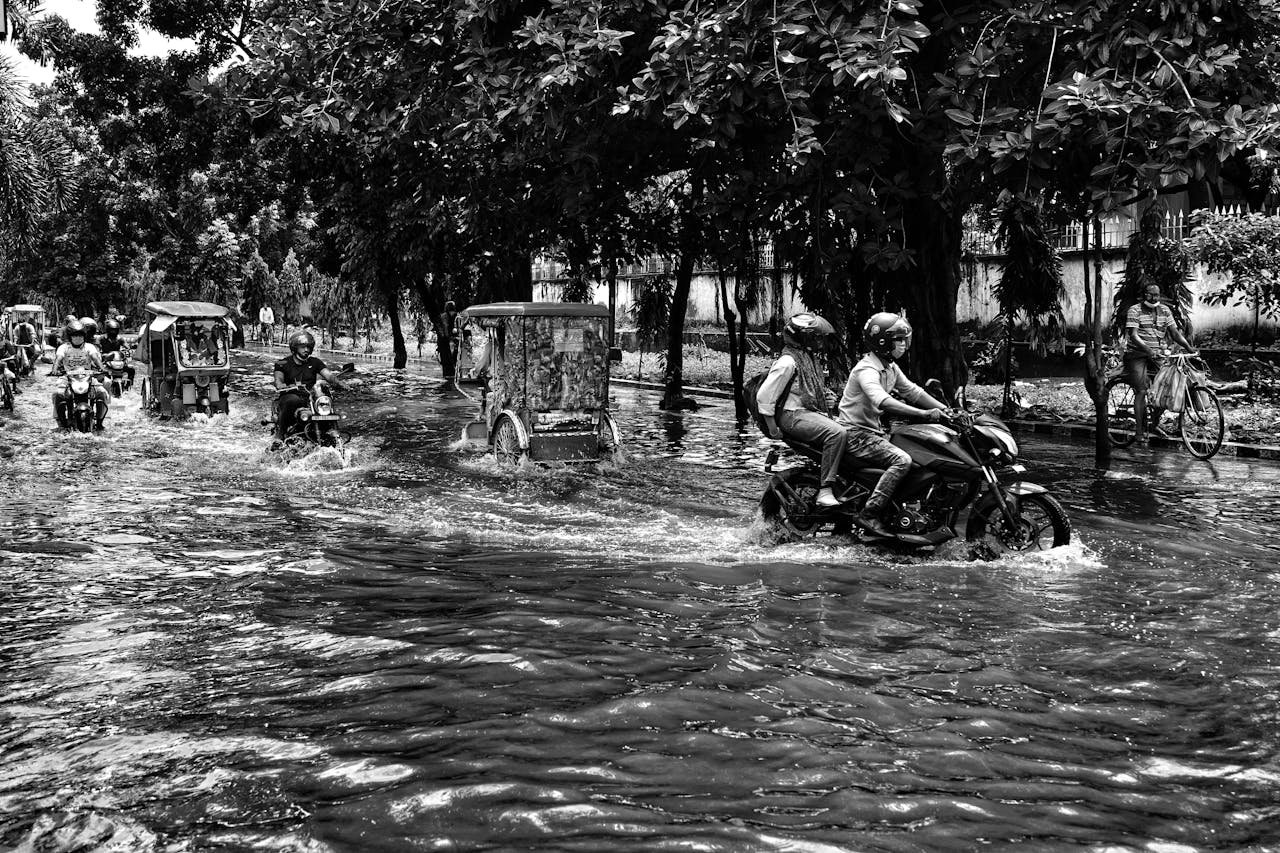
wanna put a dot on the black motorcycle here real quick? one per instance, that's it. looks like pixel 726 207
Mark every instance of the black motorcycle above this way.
pixel 117 374
pixel 955 467
pixel 314 423
pixel 78 407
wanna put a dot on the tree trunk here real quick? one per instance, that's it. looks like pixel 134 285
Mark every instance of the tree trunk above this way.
pixel 673 378
pixel 1006 406
pixel 928 291
pixel 731 326
pixel 397 334
pixel 1095 380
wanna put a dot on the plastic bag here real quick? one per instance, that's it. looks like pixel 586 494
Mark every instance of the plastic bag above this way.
pixel 1168 390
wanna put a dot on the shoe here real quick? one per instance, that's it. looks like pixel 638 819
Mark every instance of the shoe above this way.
pixel 827 498
pixel 871 523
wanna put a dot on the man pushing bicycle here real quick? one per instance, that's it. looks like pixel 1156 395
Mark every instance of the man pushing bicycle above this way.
pixel 1148 327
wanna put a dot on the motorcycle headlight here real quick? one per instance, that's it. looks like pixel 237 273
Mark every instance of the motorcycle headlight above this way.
pixel 324 406
pixel 1004 445
pixel 80 385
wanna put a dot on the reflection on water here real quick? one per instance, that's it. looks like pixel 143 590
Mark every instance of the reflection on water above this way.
pixel 206 648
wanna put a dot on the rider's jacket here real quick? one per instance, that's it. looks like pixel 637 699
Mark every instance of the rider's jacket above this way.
pixel 107 345
pixel 870 382
pixel 69 358
pixel 305 373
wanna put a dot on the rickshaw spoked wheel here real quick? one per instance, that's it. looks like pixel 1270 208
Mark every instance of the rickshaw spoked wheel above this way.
pixel 506 442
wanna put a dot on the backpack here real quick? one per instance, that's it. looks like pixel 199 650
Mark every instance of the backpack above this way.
pixel 752 387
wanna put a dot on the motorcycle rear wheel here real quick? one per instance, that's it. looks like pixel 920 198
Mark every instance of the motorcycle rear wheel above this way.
pixel 789 511
pixel 1042 523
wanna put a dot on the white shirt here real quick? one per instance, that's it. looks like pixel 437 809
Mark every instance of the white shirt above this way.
pixel 266 315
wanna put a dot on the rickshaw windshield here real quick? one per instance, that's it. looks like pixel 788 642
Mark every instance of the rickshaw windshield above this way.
pixel 201 343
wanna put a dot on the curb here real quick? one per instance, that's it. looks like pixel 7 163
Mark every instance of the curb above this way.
pixel 1065 428
pixel 366 356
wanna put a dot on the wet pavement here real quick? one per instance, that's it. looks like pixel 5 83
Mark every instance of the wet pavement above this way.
pixel 205 646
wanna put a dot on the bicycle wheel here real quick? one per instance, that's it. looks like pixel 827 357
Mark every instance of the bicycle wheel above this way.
pixel 1122 416
pixel 1201 422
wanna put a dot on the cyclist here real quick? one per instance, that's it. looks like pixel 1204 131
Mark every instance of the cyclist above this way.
pixel 1148 326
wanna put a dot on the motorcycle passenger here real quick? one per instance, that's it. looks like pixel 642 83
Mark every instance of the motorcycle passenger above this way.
pixel 1148 325
pixel 795 386
pixel 867 395
pixel 90 330
pixel 77 354
pixel 295 375
pixel 111 342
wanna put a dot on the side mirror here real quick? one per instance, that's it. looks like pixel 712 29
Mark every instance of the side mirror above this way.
pixel 935 389
pixel 615 355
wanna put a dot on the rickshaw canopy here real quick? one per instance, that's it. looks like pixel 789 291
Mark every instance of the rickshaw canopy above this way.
pixel 26 309
pixel 168 313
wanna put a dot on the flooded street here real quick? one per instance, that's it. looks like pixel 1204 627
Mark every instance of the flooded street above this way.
pixel 204 647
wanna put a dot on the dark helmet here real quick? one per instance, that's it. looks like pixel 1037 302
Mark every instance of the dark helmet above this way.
pixel 75 327
pixel 301 340
pixel 883 330
pixel 807 331
pixel 90 327
pixel 448 306
pixel 112 328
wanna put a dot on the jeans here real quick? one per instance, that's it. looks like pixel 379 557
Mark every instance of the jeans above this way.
pixel 1139 370
pixel 878 452
pixel 816 428
pixel 287 411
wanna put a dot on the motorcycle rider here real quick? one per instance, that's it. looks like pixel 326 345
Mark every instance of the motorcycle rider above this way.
pixel 90 330
pixel 111 343
pixel 867 395
pixel 24 337
pixel 794 400
pixel 294 377
pixel 75 354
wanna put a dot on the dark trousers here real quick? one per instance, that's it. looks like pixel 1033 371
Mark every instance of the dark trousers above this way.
pixel 816 428
pixel 287 411
pixel 1139 370
pixel 878 452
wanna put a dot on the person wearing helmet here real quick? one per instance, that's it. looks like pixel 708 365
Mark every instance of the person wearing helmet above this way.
pixel 111 343
pixel 868 394
pixel 90 330
pixel 794 401
pixel 295 375
pixel 77 353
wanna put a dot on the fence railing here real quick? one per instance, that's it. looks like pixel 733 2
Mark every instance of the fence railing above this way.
pixel 1116 232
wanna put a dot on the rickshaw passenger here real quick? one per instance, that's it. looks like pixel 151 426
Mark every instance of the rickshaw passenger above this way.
pixel 294 377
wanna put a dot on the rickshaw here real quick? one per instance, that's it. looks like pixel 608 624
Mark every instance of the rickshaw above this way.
pixel 183 358
pixel 547 395
pixel 32 351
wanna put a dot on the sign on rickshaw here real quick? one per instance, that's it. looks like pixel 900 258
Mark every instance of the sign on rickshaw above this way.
pixel 547 393
pixel 183 358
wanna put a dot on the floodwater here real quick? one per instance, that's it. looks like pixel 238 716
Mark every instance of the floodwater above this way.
pixel 204 647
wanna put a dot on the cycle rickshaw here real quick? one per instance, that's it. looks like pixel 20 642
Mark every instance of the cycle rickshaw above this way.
pixel 547 394
pixel 183 358
pixel 33 350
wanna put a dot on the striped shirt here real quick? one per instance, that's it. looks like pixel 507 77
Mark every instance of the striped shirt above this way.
pixel 1152 325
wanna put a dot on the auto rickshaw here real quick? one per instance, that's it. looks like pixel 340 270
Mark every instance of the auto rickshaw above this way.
pixel 35 350
pixel 183 358
pixel 547 394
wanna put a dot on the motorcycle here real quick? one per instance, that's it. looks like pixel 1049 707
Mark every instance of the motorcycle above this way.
pixel 955 466
pixel 316 422
pixel 78 405
pixel 117 374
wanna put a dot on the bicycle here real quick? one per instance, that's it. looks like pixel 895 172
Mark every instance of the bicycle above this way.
pixel 1200 422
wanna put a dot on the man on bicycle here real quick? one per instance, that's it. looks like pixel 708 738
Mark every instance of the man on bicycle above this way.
pixel 1148 326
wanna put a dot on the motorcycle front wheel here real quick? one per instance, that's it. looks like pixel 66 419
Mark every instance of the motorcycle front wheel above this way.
pixel 1041 524
pixel 788 502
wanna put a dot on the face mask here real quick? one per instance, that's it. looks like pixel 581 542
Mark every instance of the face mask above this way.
pixel 899 349
pixel 1151 303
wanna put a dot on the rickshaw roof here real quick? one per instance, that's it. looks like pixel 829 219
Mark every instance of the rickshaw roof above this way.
pixel 187 309
pixel 28 309
pixel 536 309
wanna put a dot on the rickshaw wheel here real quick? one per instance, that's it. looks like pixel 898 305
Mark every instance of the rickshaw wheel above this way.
pixel 506 442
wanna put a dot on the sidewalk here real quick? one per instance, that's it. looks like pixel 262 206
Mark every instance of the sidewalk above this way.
pixel 1065 429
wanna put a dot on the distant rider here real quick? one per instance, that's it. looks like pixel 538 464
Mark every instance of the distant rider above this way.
pixel 24 337
pixel 1148 325
pixel 867 395
pixel 295 375
pixel 266 325
pixel 76 354
pixel 111 343
pixel 794 400
pixel 9 359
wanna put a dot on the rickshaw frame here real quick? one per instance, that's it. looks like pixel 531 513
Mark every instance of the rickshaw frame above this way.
pixel 547 398
pixel 194 387
pixel 40 321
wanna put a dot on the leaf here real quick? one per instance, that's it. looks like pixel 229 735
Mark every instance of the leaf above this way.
pixel 961 117
pixel 792 29
pixel 790 58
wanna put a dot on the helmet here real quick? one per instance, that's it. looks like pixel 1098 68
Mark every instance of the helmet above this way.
pixel 70 318
pixel 112 328
pixel 808 331
pixel 300 340
pixel 883 330
pixel 75 327
pixel 90 326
